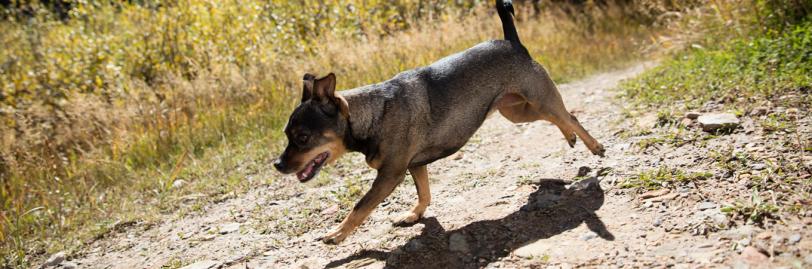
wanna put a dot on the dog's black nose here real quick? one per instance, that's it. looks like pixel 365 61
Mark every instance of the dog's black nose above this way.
pixel 279 165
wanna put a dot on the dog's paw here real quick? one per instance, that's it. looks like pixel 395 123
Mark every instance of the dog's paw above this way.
pixel 571 140
pixel 598 150
pixel 334 238
pixel 406 219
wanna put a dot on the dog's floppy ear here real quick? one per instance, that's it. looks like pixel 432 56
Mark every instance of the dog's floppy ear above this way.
pixel 325 87
pixel 307 86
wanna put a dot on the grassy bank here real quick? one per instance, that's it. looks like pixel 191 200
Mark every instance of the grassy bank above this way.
pixel 105 110
pixel 753 60
pixel 742 54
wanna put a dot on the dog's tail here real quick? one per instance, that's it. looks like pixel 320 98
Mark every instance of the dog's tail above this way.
pixel 505 10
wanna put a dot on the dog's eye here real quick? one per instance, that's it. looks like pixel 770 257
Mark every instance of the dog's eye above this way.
pixel 301 139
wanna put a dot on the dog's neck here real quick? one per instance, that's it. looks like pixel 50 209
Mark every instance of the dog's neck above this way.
pixel 365 110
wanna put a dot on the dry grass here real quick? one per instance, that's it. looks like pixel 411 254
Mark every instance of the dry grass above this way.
pixel 101 114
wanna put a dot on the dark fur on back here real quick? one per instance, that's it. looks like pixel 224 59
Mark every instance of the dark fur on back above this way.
pixel 434 110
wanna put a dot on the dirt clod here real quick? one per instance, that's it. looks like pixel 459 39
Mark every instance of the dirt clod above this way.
pixel 753 256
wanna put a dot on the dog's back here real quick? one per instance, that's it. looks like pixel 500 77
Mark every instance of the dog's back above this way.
pixel 436 109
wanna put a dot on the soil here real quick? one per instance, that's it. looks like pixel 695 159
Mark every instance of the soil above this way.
pixel 515 196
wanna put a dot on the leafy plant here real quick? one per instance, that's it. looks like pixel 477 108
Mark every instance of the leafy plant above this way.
pixel 756 209
pixel 661 178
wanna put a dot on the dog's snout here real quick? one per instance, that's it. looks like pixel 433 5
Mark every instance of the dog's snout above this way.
pixel 279 165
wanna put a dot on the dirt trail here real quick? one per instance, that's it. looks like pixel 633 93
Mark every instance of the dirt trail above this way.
pixel 507 200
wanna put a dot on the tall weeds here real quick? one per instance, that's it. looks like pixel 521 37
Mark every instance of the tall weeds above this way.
pixel 103 108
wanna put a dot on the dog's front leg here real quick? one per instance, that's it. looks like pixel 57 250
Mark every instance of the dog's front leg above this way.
pixel 421 180
pixel 384 184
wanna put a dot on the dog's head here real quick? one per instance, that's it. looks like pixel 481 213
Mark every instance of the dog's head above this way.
pixel 315 130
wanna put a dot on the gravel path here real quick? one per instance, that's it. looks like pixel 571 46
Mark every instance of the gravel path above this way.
pixel 506 200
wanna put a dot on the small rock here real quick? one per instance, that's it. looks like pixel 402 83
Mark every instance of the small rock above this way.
pixel 54 259
pixel 204 264
pixel 706 205
pixel 758 166
pixel 739 232
pixel 718 122
pixel 229 228
pixel 792 113
pixel 765 235
pixel 68 265
pixel 753 256
pixel 208 237
pixel 457 242
pixel 759 111
pixel 777 239
pixel 807 160
pixel 589 236
pixel 794 239
pixel 658 221
pixel 780 109
pixel 686 122
pixel 234 259
pixel 330 210
pixel 654 193
pixel 646 122
pixel 692 115
pixel 179 183
pixel 664 197
pixel 720 219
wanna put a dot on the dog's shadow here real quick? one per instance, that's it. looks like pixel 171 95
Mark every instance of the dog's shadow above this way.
pixel 550 210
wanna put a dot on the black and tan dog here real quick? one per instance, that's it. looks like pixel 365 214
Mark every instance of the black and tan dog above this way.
pixel 420 116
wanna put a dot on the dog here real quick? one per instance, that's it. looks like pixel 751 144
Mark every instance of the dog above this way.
pixel 420 116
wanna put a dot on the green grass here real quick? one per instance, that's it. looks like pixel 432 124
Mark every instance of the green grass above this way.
pixel 662 177
pixel 738 71
pixel 756 209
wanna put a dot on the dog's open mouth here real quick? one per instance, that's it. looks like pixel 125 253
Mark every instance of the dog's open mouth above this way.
pixel 312 168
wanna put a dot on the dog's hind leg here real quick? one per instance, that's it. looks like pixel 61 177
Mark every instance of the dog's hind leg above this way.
pixel 552 109
pixel 421 180
pixel 516 109
pixel 539 99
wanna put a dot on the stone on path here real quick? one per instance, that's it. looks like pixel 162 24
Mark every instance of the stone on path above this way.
pixel 795 238
pixel 718 122
pixel 759 111
pixel 54 259
pixel 654 193
pixel 204 264
pixel 692 115
pixel 753 256
pixel 229 228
